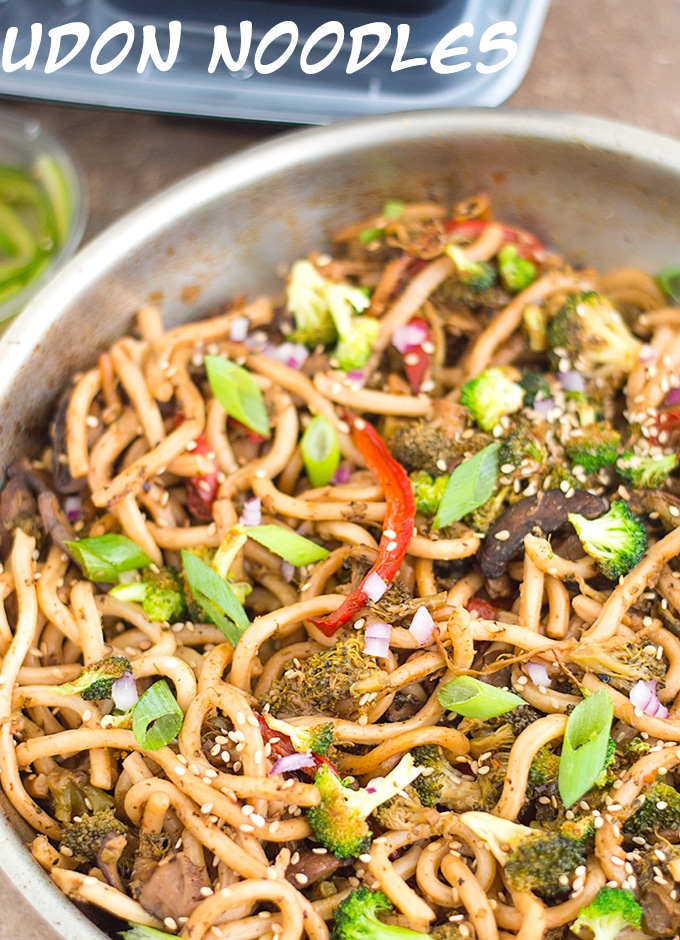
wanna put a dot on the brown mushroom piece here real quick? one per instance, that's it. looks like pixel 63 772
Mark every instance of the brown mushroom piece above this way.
pixel 544 513
pixel 18 508
pixel 55 520
pixel 311 867
pixel 108 857
pixel 173 888
pixel 661 911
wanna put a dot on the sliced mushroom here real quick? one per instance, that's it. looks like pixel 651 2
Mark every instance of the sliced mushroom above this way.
pixel 173 888
pixel 312 866
pixel 108 857
pixel 544 513
pixel 55 520
pixel 661 911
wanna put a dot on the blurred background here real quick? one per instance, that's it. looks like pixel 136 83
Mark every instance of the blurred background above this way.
pixel 612 58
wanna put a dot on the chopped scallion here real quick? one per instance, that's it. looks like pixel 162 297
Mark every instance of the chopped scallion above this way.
pixel 157 718
pixel 584 749
pixel 320 451
pixel 105 557
pixel 238 393
pixel 472 698
pixel 470 485
pixel 215 598
pixel 286 544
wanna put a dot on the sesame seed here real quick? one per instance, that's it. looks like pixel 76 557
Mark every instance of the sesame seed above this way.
pixel 503 535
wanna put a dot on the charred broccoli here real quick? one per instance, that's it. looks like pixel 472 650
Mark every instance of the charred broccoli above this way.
pixel 624 663
pixel 419 447
pixel 535 387
pixel 73 795
pixel 593 447
pixel 316 739
pixel 659 811
pixel 616 540
pixel 532 859
pixel 331 682
pixel 491 395
pixel 428 491
pixel 82 837
pixel 356 918
pixel 544 768
pixel 516 272
pixel 646 473
pixel 477 276
pixel 339 821
pixel 591 335
pixel 483 517
pixel 522 444
pixel 610 911
pixel 440 784
pixel 405 811
pixel 96 680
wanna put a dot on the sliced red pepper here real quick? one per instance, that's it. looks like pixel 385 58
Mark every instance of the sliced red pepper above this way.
pixel 417 360
pixel 668 420
pixel 485 610
pixel 397 525
pixel 202 489
pixel 528 246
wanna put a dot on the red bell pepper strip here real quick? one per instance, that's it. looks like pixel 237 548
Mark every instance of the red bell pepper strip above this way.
pixel 528 246
pixel 202 490
pixel 397 525
pixel 416 360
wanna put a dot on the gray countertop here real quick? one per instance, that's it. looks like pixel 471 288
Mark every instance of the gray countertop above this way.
pixel 611 58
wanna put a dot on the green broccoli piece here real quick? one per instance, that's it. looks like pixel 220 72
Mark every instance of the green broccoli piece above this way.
pixel 606 776
pixel 659 811
pixel 440 784
pixel 73 795
pixel 646 473
pixel 585 410
pixel 483 517
pixel 535 323
pixel 624 663
pixel 356 918
pixel 544 768
pixel 339 821
pixel 307 301
pixel 83 836
pixel 428 491
pixel 590 333
pixel 419 446
pixel 405 811
pixel 161 594
pixel 580 829
pixel 316 739
pixel 610 912
pixel 593 447
pixel 449 931
pixel 491 395
pixel 357 337
pixel 477 276
pixel 533 859
pixel 535 387
pixel 516 273
pixel 520 445
pixel 96 680
pixel 616 540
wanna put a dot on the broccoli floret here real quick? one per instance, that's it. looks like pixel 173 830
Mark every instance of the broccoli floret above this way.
pixel 616 540
pixel 624 663
pixel 535 387
pixel 593 447
pixel 491 395
pixel 160 593
pixel 339 821
pixel 357 336
pixel 659 811
pixel 440 784
pixel 96 680
pixel 610 911
pixel 449 931
pixel 73 795
pixel 535 323
pixel 405 811
pixel 356 918
pixel 331 682
pixel 588 331
pixel 483 517
pixel 544 768
pixel 315 739
pixel 306 300
pixel 580 829
pixel 520 445
pixel 477 276
pixel 646 473
pixel 428 491
pixel 83 836
pixel 516 273
pixel 607 776
pixel 533 859
pixel 418 446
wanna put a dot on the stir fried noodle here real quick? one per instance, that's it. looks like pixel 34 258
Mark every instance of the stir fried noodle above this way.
pixel 361 603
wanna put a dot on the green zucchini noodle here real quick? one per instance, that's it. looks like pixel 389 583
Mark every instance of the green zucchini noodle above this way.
pixel 432 340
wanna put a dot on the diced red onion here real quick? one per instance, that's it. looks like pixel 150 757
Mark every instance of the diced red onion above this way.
pixel 252 512
pixel 378 629
pixel 572 381
pixel 544 406
pixel 289 354
pixel 73 506
pixel 673 397
pixel 287 569
pixel 643 696
pixel 292 762
pixel 422 626
pixel 378 646
pixel 538 674
pixel 342 475
pixel 124 692
pixel 374 587
pixel 356 375
pixel 238 329
pixel 646 353
pixel 408 336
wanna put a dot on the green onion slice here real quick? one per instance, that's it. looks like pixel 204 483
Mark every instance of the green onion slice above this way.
pixel 142 932
pixel 157 718
pixel 669 282
pixel 286 544
pixel 215 598
pixel 320 451
pixel 392 209
pixel 134 591
pixel 470 485
pixel 105 557
pixel 238 393
pixel 584 749
pixel 472 698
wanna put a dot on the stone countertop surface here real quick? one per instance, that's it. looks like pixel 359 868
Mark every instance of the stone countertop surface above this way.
pixel 612 58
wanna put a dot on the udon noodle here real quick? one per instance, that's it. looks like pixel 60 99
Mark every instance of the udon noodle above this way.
pixel 211 833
